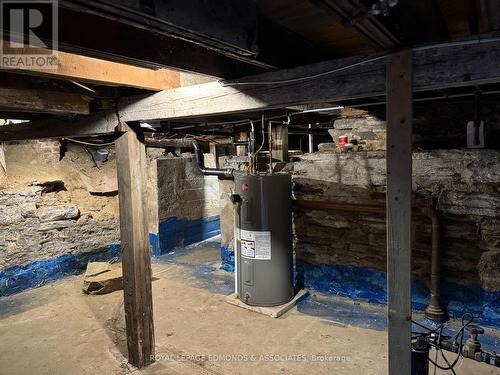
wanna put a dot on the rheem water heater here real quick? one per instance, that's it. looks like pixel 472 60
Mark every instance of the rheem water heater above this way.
pixel 263 232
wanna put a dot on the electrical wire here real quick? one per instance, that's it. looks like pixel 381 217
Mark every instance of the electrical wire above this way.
pixel 460 347
pixel 350 66
pixel 263 134
pixel 82 86
pixel 89 143
pixel 305 78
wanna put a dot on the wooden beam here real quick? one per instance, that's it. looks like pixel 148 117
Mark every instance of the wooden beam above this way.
pixel 136 257
pixel 110 39
pixel 224 24
pixel 41 101
pixel 435 67
pixel 88 69
pixel 280 142
pixel 222 38
pixel 78 126
pixel 399 192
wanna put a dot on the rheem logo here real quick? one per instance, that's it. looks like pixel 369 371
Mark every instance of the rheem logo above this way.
pixel 29 34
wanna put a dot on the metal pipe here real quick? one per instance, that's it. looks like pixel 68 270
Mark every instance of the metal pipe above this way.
pixel 270 138
pixel 340 206
pixel 240 143
pixel 434 310
pixel 477 117
pixel 311 141
pixel 193 143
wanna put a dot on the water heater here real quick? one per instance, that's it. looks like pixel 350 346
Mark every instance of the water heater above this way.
pixel 263 233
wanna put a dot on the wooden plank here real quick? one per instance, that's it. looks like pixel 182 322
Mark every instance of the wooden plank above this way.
pixel 41 101
pixel 435 68
pixel 78 126
pixel 399 169
pixel 136 257
pixel 280 142
pixel 88 69
pixel 273 311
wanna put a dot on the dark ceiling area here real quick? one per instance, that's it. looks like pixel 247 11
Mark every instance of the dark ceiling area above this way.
pixel 231 39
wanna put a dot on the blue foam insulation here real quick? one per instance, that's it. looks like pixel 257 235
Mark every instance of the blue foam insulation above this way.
pixel 154 242
pixel 205 269
pixel 367 285
pixel 227 259
pixel 18 278
pixel 177 233
pixel 173 233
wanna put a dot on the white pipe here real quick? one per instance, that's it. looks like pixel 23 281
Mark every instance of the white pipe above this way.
pixel 311 142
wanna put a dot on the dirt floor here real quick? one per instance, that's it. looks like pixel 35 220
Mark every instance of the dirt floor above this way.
pixel 56 329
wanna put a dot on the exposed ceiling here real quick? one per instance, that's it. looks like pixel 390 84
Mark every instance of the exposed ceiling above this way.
pixel 232 39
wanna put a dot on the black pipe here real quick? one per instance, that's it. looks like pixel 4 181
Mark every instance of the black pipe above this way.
pixel 241 143
pixel 193 143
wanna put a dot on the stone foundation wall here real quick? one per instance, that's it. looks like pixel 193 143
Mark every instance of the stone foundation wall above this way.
pixel 463 184
pixel 35 225
pixel 188 203
pixel 54 214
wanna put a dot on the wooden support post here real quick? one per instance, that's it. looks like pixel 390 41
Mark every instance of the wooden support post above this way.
pixel 242 150
pixel 213 151
pixel 399 169
pixel 280 142
pixel 136 258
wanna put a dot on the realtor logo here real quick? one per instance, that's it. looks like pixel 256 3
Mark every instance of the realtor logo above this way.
pixel 29 34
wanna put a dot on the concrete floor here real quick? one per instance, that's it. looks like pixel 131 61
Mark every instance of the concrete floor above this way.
pixel 56 329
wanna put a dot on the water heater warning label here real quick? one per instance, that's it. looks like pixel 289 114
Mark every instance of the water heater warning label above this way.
pixel 255 245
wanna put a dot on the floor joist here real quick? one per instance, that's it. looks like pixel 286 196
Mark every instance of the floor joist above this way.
pixel 435 67
pixel 91 70
pixel 42 101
